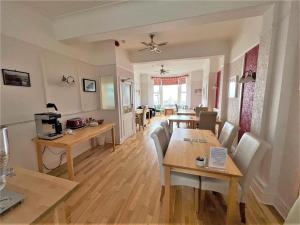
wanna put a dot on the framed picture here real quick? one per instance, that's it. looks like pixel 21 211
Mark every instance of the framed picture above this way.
pixel 16 78
pixel 232 92
pixel 89 85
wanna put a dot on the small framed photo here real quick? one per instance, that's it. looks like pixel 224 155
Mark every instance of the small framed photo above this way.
pixel 16 78
pixel 232 92
pixel 89 85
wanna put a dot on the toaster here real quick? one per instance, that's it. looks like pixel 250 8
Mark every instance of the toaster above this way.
pixel 75 123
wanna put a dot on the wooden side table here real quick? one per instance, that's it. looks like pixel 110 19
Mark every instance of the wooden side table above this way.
pixel 68 141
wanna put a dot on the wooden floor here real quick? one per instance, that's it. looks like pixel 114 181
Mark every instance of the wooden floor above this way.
pixel 123 187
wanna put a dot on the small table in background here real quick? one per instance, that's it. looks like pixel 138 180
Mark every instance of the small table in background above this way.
pixel 69 140
pixel 186 112
pixel 169 111
pixel 189 120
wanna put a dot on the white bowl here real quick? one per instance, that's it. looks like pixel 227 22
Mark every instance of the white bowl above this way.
pixel 201 162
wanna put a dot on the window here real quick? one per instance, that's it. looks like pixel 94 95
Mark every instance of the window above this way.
pixel 168 91
pixel 170 94
pixel 156 95
pixel 182 94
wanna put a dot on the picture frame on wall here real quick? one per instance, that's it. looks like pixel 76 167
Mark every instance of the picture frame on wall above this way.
pixel 233 82
pixel 89 85
pixel 16 78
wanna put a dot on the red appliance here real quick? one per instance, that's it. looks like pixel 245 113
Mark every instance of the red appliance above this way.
pixel 75 123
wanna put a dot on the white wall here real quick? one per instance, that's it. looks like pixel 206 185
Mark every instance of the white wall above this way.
pixel 248 37
pixel 18 104
pixel 28 44
pixel 196 84
pixel 137 87
pixel 28 25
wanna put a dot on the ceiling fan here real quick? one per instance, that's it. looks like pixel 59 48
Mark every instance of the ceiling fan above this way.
pixel 163 71
pixel 153 46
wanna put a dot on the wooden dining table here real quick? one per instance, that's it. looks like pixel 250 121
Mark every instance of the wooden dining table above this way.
pixel 180 157
pixel 186 112
pixel 189 120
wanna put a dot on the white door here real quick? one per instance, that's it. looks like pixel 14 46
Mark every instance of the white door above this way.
pixel 127 110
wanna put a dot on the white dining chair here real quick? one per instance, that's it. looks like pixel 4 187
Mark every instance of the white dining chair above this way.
pixel 293 217
pixel 227 135
pixel 167 129
pixel 248 156
pixel 161 144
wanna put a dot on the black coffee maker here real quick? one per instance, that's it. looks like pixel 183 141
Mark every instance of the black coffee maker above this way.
pixel 47 124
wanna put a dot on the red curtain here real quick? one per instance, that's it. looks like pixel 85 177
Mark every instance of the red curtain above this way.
pixel 170 80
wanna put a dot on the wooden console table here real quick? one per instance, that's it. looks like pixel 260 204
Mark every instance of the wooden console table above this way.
pixel 69 140
pixel 44 201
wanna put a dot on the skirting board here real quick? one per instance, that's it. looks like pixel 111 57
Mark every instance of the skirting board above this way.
pixel 258 188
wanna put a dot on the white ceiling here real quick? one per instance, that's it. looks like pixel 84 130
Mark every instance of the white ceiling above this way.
pixel 173 35
pixel 175 67
pixel 53 9
pixel 175 32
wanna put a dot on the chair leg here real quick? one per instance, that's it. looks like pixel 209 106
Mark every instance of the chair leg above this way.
pixel 162 193
pixel 243 212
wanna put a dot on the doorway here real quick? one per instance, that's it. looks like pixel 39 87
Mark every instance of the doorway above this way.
pixel 247 95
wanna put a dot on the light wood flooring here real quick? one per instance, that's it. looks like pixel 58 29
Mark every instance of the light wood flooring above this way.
pixel 123 187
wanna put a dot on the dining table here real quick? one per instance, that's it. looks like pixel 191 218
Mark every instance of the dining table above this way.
pixel 188 120
pixel 180 157
pixel 186 112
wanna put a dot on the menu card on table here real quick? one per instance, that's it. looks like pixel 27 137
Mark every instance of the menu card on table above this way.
pixel 217 157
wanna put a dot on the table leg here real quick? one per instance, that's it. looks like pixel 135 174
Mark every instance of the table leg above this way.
pixel 177 124
pixel 70 163
pixel 39 157
pixel 232 201
pixel 168 205
pixel 113 138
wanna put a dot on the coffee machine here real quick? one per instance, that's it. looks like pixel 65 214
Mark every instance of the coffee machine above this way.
pixel 8 199
pixel 47 124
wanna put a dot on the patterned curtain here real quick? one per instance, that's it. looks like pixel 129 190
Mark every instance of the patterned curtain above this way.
pixel 170 80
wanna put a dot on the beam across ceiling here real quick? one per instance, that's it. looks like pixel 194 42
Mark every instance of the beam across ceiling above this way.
pixel 151 14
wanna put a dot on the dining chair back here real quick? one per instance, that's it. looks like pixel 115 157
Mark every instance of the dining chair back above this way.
pixel 142 118
pixel 207 121
pixel 176 108
pixel 228 134
pixel 248 156
pixel 199 109
pixel 167 129
pixel 161 144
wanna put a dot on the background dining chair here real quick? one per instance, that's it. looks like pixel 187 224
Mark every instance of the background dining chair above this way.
pixel 228 134
pixel 207 121
pixel 161 144
pixel 293 217
pixel 141 119
pixel 176 106
pixel 167 129
pixel 248 156
pixel 199 109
